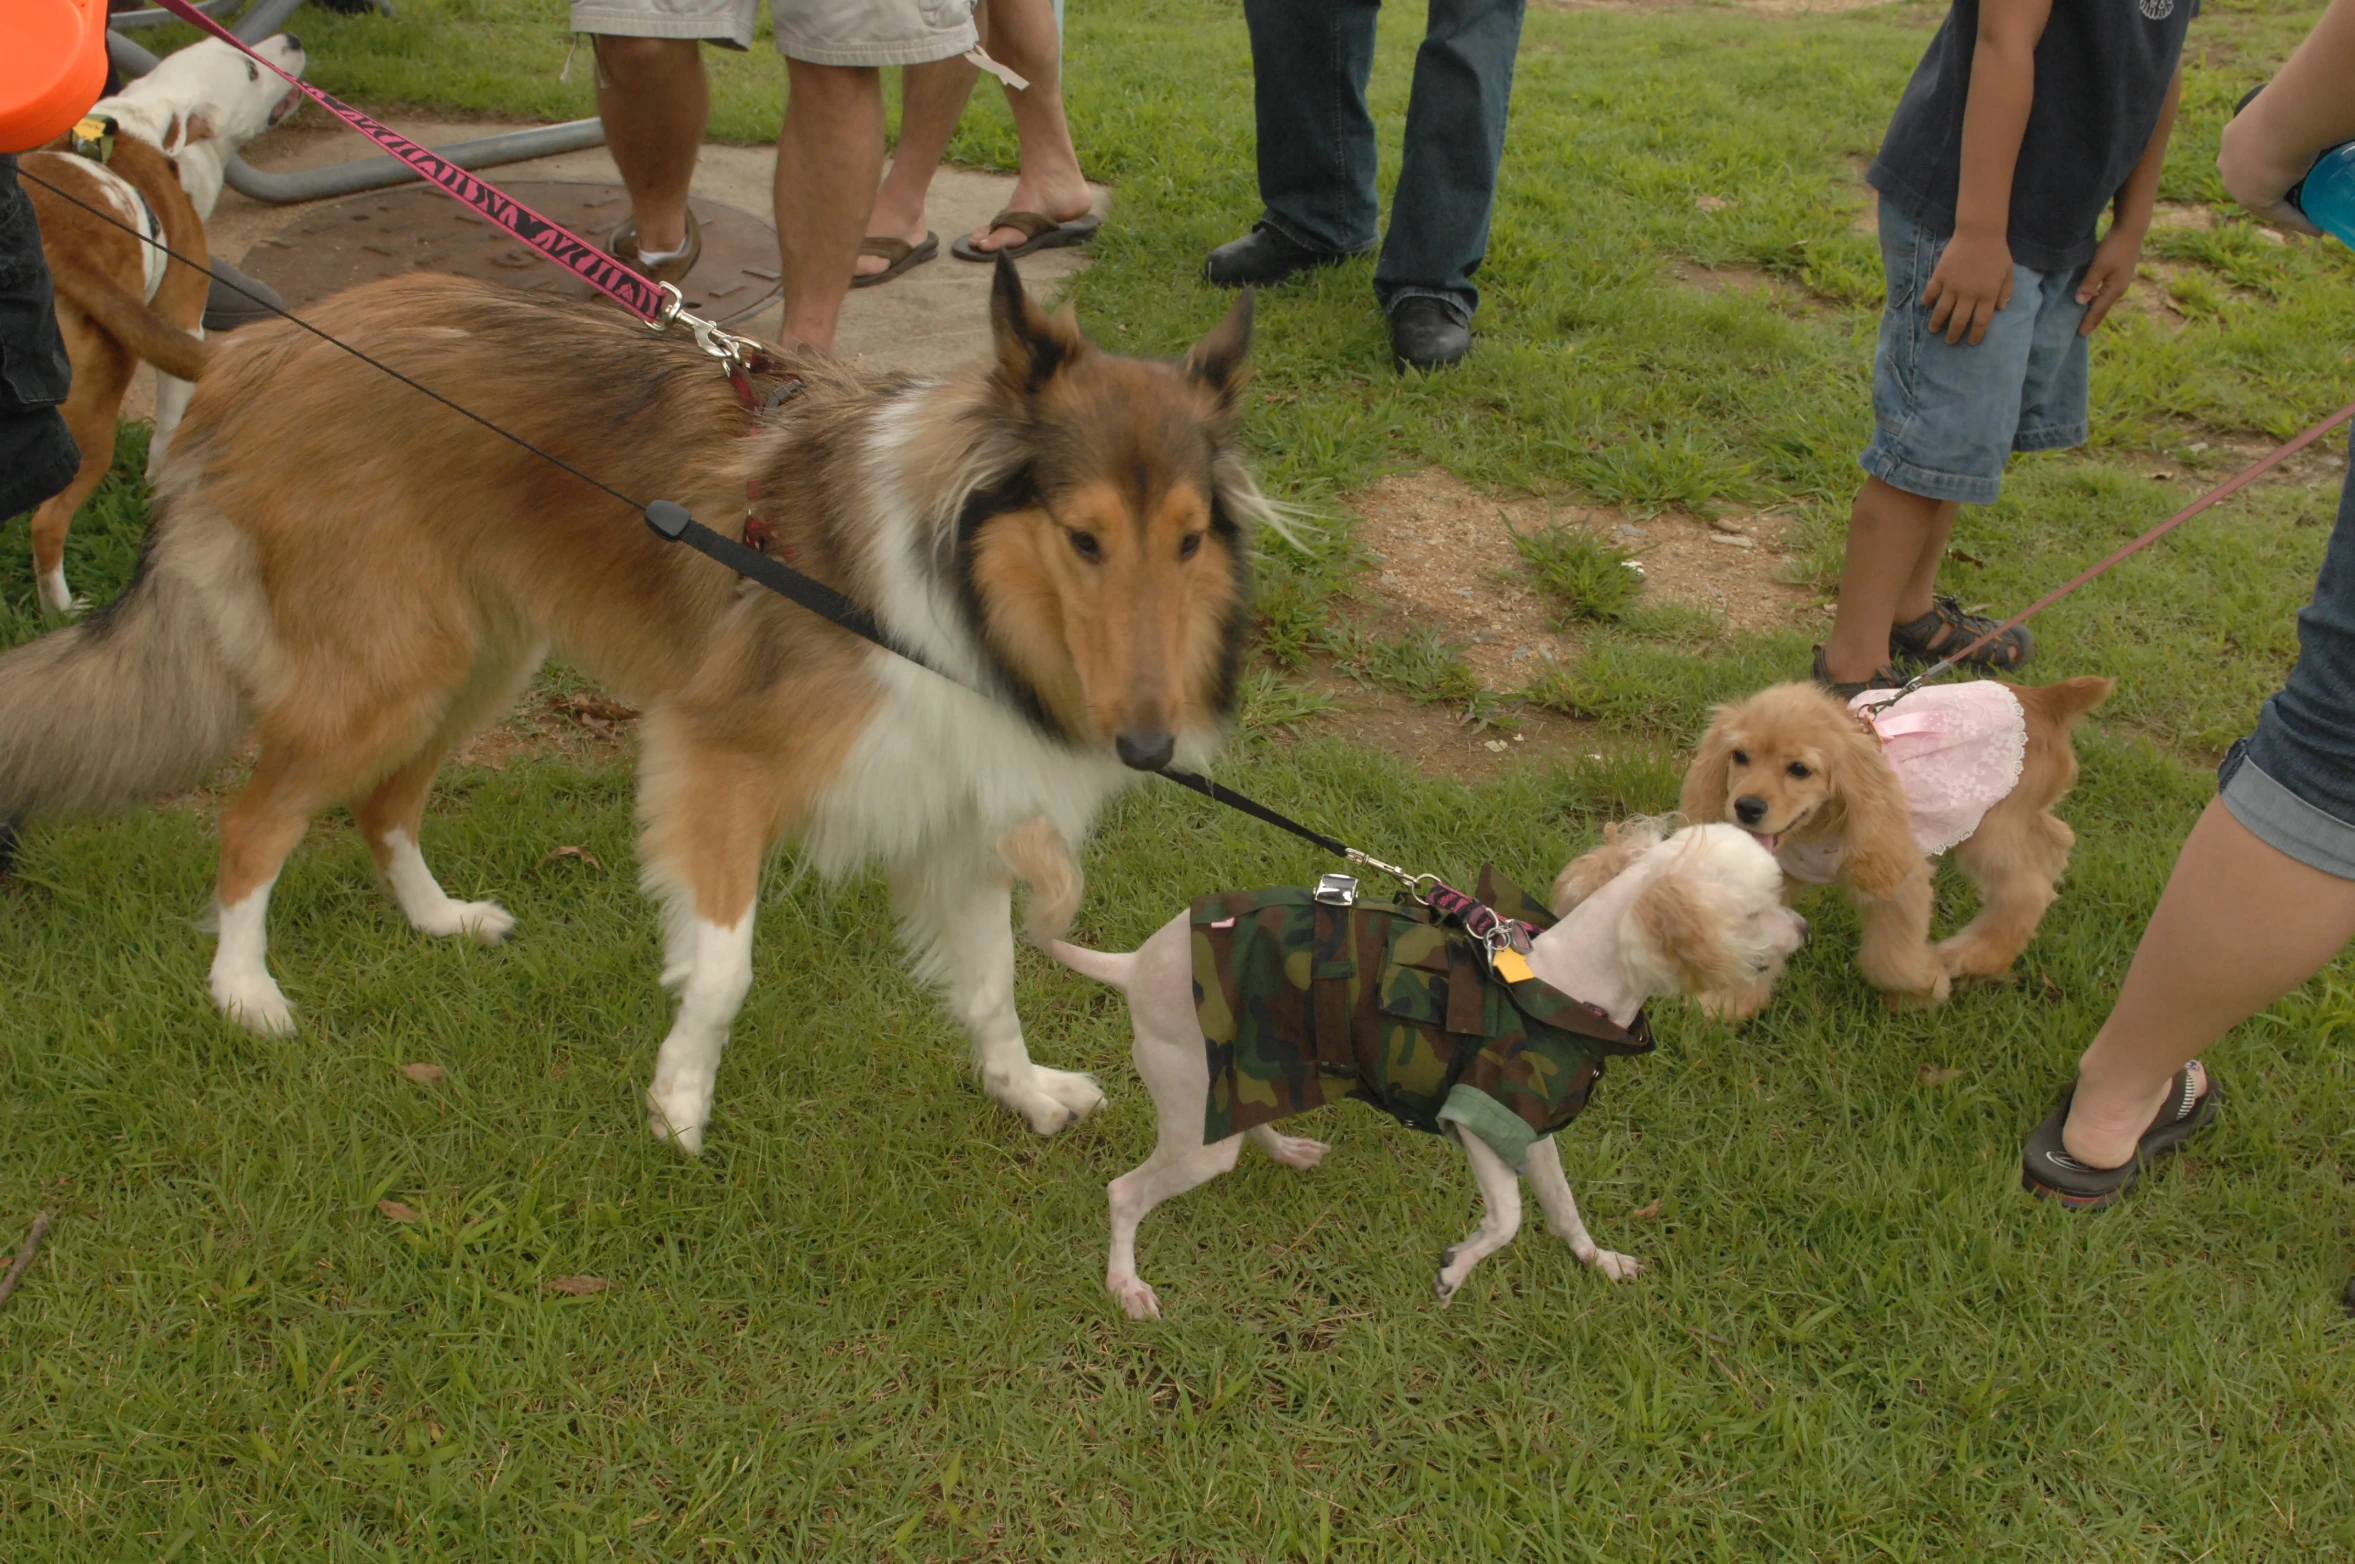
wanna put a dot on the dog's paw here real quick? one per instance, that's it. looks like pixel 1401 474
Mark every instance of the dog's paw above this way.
pixel 1050 1100
pixel 675 1121
pixel 485 921
pixel 254 1002
pixel 1964 957
pixel 1135 1295
pixel 1618 1267
pixel 1293 1151
pixel 1450 1279
pixel 58 601
pixel 1941 987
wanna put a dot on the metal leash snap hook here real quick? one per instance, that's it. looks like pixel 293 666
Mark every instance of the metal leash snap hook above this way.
pixel 673 302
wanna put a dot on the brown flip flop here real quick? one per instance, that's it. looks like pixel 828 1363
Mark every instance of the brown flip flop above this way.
pixel 897 253
pixel 1040 232
pixel 622 245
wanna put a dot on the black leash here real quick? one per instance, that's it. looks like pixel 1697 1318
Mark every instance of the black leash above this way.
pixel 672 522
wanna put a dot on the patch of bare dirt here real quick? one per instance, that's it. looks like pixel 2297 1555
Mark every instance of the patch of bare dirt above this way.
pixel 1445 558
pixel 1438 742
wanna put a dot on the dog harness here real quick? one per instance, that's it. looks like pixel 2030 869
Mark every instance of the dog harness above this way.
pixel 1956 749
pixel 1304 1001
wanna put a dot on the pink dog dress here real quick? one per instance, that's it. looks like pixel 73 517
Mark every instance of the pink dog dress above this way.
pixel 1956 749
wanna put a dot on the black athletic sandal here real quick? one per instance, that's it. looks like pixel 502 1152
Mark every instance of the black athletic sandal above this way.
pixel 1886 679
pixel 2048 1171
pixel 1946 629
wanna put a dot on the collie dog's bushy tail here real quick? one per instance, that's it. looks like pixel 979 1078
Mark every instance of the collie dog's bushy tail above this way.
pixel 134 701
pixel 1036 854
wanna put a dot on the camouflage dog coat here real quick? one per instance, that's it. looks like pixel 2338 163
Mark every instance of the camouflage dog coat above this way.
pixel 1302 1003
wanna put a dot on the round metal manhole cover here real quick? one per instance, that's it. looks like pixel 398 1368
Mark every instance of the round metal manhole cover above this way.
pixel 391 233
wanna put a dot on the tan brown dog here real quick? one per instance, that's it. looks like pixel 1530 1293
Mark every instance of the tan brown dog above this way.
pixel 363 578
pixel 1844 792
pixel 121 299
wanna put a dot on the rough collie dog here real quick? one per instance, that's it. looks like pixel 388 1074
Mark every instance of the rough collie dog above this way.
pixel 1844 792
pixel 361 578
pixel 1640 916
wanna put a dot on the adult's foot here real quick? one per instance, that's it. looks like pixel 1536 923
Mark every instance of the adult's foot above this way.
pixel 1263 258
pixel 1427 333
pixel 2102 1131
pixel 2080 1157
pixel 1065 203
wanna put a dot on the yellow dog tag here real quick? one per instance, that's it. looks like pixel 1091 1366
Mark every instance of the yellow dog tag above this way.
pixel 1512 966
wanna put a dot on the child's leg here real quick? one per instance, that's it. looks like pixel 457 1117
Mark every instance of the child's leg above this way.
pixel 1895 540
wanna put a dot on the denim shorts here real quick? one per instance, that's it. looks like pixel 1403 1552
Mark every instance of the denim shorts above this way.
pixel 2292 781
pixel 820 32
pixel 1947 416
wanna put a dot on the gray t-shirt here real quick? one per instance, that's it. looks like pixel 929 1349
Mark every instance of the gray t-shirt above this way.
pixel 2102 69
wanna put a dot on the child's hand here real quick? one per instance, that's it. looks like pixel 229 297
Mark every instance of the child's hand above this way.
pixel 2109 276
pixel 1973 280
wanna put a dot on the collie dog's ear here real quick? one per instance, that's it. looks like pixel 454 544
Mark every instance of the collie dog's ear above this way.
pixel 1879 853
pixel 1703 800
pixel 1218 361
pixel 1033 346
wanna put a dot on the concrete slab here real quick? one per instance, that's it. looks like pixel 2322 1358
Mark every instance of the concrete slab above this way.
pixel 934 317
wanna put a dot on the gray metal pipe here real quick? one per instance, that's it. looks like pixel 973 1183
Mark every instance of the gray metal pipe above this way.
pixel 374 173
pixel 127 56
pixel 267 17
pixel 138 19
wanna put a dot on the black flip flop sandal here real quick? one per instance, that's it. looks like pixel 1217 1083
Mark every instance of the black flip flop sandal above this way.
pixel 1038 230
pixel 2048 1171
pixel 1946 629
pixel 898 256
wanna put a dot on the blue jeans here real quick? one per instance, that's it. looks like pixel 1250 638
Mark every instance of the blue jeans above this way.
pixel 2292 781
pixel 1310 60
pixel 1948 415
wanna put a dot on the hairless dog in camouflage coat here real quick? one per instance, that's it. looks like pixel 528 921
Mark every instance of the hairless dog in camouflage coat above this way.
pixel 1396 1019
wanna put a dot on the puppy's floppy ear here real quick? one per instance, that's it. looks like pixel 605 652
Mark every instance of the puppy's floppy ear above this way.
pixel 1676 938
pixel 1624 841
pixel 1033 346
pixel 1879 852
pixel 1706 780
pixel 201 123
pixel 1218 361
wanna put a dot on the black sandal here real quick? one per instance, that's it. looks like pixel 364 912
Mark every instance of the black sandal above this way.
pixel 2049 1171
pixel 1886 679
pixel 1946 629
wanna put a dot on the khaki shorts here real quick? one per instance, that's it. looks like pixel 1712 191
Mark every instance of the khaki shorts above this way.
pixel 822 32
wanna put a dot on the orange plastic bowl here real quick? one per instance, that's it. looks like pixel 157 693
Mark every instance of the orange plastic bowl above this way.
pixel 52 70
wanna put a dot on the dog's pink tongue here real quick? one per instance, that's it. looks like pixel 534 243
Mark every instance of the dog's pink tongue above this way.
pixel 286 105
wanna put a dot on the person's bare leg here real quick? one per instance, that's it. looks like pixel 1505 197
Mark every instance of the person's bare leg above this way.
pixel 653 99
pixel 1922 586
pixel 1891 534
pixel 829 156
pixel 1020 34
pixel 2240 924
pixel 932 100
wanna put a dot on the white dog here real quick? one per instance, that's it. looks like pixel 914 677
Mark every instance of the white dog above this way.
pixel 1641 916
pixel 205 102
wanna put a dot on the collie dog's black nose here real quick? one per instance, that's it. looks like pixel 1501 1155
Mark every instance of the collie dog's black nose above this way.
pixel 1145 751
pixel 293 43
pixel 1749 809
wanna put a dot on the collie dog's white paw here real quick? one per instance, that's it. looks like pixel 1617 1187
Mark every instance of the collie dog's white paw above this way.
pixel 485 921
pixel 253 1001
pixel 1049 1100
pixel 1294 1152
pixel 1135 1296
pixel 677 1119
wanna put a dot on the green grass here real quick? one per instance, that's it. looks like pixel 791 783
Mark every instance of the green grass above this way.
pixel 1588 577
pixel 869 1324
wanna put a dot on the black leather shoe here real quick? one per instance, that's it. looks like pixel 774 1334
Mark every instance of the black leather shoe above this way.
pixel 1262 258
pixel 236 300
pixel 1426 334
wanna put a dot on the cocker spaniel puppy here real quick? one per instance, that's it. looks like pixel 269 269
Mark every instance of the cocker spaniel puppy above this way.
pixel 1842 792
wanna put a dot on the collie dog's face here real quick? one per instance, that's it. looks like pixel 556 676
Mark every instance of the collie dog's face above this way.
pixel 1112 583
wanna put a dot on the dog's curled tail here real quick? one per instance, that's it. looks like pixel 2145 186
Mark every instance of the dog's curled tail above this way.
pixel 2065 702
pixel 1035 853
pixel 134 701
pixel 128 319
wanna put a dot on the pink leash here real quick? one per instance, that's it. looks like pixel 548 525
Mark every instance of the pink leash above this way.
pixel 2233 485
pixel 657 305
